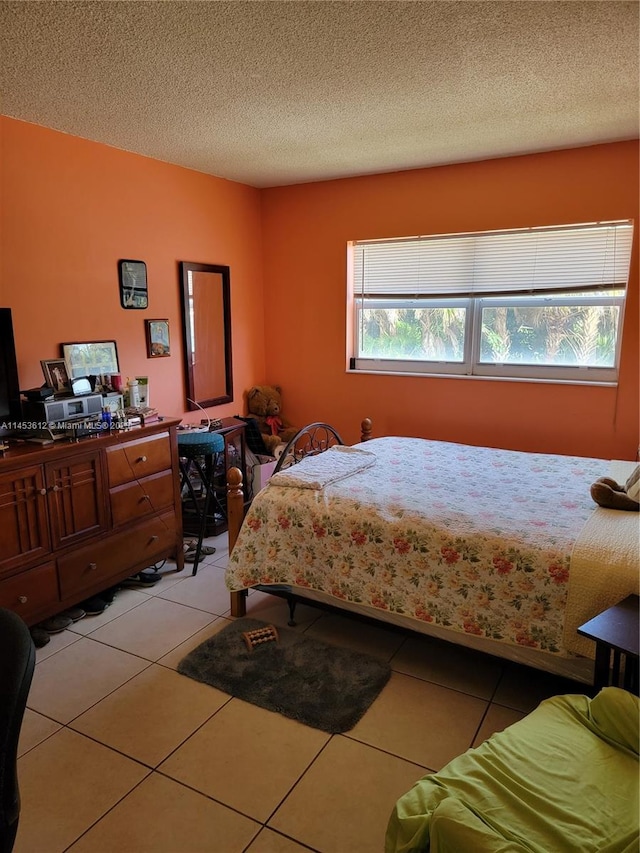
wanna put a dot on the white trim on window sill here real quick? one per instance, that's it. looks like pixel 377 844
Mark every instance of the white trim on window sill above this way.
pixel 591 384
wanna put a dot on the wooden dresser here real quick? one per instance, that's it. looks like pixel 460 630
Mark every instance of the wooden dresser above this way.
pixel 78 517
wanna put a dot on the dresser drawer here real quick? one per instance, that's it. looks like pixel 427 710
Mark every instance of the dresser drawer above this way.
pixel 28 592
pixel 142 545
pixel 142 497
pixel 135 459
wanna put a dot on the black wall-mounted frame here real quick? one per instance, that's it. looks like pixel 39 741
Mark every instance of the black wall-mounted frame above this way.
pixel 133 284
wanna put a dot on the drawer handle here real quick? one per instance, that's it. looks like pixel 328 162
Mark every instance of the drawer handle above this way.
pixel 42 491
pixel 92 567
pixel 55 488
pixel 22 599
pixel 142 459
pixel 154 539
pixel 145 498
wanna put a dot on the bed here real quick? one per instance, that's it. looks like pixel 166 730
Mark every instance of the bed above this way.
pixel 497 550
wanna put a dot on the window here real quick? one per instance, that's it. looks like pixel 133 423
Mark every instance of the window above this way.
pixel 540 303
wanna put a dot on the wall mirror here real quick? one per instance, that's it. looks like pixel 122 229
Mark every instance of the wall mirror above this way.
pixel 206 319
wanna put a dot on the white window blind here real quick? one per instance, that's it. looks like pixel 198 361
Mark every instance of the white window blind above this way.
pixel 561 259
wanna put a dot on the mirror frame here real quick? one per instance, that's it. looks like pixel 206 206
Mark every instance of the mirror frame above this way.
pixel 185 268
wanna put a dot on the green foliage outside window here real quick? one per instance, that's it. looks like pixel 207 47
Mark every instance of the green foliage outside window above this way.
pixel 549 334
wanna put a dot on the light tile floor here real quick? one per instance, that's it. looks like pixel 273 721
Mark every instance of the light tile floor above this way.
pixel 121 754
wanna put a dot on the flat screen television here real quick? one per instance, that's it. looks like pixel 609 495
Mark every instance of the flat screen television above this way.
pixel 10 407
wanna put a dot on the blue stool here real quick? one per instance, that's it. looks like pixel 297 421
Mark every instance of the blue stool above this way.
pixel 200 450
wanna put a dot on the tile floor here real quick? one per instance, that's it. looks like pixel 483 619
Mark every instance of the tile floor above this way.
pixel 119 753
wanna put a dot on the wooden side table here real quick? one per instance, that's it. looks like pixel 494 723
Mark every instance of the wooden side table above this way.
pixel 616 634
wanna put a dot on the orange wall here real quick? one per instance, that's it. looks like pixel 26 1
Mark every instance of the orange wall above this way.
pixel 305 231
pixel 71 208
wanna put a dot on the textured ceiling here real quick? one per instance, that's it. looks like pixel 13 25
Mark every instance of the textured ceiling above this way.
pixel 272 93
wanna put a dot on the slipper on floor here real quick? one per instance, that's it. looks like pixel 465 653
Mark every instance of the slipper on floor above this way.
pixel 190 556
pixel 192 544
pixel 190 551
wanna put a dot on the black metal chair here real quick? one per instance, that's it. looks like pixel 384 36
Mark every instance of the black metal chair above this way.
pixel 17 661
pixel 200 451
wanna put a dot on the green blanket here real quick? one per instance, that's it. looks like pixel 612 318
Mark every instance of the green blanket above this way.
pixel 565 778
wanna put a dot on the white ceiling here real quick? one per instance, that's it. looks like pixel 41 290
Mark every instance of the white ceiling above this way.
pixel 273 93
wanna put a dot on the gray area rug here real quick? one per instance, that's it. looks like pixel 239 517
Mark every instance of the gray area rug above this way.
pixel 318 684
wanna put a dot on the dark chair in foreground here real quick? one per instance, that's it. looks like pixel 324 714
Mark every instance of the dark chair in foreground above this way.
pixel 17 661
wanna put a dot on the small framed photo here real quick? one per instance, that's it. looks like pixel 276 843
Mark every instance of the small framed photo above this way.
pixel 133 284
pixel 56 375
pixel 157 338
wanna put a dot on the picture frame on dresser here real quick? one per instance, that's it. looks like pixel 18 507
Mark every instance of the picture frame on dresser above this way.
pixel 91 358
pixel 56 375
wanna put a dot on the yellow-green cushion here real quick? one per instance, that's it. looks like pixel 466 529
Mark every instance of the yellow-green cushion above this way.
pixel 563 779
pixel 615 714
pixel 455 828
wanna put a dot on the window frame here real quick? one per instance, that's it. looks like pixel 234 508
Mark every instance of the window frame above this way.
pixel 474 304
pixel 407 365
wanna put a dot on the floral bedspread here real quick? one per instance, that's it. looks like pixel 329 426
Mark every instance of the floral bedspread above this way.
pixel 471 538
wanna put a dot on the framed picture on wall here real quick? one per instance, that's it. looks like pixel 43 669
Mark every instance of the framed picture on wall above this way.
pixel 158 345
pixel 133 284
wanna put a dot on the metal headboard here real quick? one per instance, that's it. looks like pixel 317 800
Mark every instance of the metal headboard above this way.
pixel 308 441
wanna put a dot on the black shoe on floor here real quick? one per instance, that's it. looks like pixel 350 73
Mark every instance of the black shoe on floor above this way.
pixel 93 606
pixel 74 613
pixel 141 580
pixel 55 624
pixel 39 636
pixel 107 595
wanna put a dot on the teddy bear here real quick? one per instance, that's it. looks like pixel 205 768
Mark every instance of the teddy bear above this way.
pixel 607 493
pixel 264 403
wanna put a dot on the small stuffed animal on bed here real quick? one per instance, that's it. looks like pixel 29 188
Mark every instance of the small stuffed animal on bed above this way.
pixel 607 493
pixel 265 404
